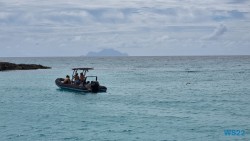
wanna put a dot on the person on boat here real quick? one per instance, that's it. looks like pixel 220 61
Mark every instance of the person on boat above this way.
pixel 77 79
pixel 67 80
pixel 82 78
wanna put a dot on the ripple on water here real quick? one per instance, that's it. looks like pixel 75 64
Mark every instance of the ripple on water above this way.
pixel 188 98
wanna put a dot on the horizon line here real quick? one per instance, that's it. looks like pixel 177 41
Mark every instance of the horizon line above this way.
pixel 126 56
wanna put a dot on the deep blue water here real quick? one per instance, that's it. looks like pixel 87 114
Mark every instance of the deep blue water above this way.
pixel 148 98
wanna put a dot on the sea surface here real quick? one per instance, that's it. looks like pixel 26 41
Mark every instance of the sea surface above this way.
pixel 148 98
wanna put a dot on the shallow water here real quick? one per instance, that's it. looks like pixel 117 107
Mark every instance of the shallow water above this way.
pixel 148 98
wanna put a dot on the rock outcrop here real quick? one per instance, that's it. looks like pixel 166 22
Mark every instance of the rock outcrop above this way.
pixel 4 66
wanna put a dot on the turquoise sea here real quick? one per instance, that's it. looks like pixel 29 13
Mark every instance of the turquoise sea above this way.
pixel 148 98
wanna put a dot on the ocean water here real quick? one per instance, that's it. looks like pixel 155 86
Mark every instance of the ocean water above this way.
pixel 148 98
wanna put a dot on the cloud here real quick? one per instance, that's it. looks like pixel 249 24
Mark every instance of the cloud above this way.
pixel 237 1
pixel 4 15
pixel 125 25
pixel 133 12
pixel 219 31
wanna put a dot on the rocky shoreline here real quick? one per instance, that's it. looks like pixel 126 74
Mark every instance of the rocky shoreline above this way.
pixel 5 66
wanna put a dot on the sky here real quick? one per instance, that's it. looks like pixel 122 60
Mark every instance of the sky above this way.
pixel 31 28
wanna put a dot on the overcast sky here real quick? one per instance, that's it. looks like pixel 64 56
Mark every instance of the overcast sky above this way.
pixel 136 27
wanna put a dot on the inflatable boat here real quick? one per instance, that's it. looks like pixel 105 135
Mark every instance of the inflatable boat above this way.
pixel 85 86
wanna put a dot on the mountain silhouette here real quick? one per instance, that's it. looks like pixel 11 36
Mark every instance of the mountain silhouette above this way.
pixel 107 52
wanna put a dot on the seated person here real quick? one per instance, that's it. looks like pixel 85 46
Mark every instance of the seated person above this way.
pixel 77 79
pixel 67 80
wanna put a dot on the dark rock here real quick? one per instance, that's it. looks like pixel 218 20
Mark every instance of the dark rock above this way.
pixel 11 66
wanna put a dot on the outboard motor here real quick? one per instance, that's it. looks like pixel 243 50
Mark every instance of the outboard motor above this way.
pixel 95 86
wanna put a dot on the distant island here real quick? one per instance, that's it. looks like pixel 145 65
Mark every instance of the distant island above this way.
pixel 4 66
pixel 107 52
